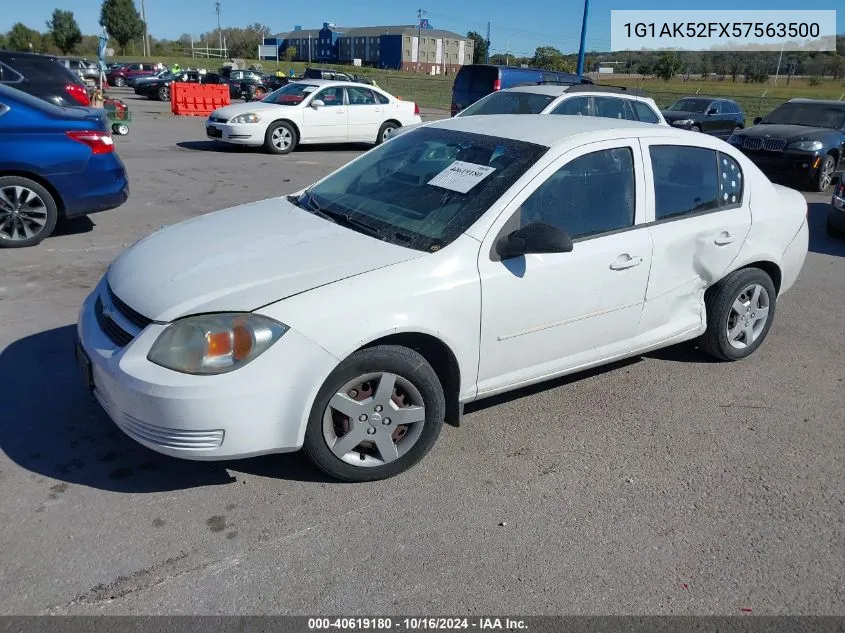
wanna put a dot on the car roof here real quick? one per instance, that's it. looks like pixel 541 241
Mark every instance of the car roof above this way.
pixel 334 82
pixel 557 90
pixel 541 129
pixel 824 101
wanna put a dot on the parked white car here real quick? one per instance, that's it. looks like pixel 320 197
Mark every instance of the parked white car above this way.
pixel 579 100
pixel 313 111
pixel 464 259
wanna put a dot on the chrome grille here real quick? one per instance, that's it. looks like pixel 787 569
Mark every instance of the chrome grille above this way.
pixel 767 144
pixel 109 326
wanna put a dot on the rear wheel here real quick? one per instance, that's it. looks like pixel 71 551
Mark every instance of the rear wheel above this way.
pixel 280 138
pixel 28 212
pixel 386 131
pixel 740 310
pixel 378 413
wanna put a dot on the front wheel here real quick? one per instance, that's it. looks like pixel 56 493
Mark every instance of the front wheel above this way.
pixel 695 128
pixel 164 93
pixel 280 138
pixel 119 82
pixel 386 131
pixel 378 413
pixel 825 175
pixel 28 212
pixel 740 310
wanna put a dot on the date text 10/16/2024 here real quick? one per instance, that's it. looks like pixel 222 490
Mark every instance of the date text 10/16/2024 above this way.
pixel 416 624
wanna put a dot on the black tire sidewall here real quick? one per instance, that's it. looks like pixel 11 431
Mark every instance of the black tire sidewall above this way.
pixel 49 203
pixel 268 144
pixel 394 359
pixel 384 127
pixel 719 305
pixel 696 129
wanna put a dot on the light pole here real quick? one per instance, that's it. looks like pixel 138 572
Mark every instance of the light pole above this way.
pixel 219 30
pixel 583 39
pixel 147 50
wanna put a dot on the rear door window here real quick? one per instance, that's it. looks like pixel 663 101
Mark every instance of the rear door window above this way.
pixel 613 108
pixel 686 180
pixel 574 106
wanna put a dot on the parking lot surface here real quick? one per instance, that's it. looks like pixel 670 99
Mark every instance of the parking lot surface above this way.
pixel 667 484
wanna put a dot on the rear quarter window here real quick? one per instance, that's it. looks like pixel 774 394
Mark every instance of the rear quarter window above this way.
pixel 644 112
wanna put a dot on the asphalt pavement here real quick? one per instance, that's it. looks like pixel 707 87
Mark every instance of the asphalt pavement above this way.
pixel 667 484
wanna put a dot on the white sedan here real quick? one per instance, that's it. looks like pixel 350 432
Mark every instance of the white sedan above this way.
pixel 313 111
pixel 464 259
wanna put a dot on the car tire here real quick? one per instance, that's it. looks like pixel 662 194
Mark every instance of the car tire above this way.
pixel 280 138
pixel 355 385
pixel 121 129
pixel 164 93
pixel 735 328
pixel 386 130
pixel 119 82
pixel 695 128
pixel 824 177
pixel 41 218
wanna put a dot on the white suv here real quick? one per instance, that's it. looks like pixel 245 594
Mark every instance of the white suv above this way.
pixel 585 100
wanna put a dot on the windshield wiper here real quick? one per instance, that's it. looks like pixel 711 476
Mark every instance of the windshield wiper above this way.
pixel 339 218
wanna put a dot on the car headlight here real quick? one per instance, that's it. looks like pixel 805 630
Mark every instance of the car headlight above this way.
pixel 249 117
pixel 735 139
pixel 682 122
pixel 214 343
pixel 807 146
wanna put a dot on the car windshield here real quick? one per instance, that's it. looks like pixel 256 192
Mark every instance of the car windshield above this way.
pixel 422 189
pixel 809 114
pixel 689 105
pixel 291 94
pixel 509 103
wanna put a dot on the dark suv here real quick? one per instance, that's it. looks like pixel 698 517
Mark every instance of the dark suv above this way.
pixel 717 117
pixel 44 77
pixel 801 140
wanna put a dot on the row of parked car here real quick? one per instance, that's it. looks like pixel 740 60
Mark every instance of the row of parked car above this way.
pixel 801 141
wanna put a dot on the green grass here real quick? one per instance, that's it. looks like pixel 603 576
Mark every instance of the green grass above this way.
pixel 436 91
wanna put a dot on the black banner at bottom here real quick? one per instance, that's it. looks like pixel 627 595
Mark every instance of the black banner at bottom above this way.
pixel 408 624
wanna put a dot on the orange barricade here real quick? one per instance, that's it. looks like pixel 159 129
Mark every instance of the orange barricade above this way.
pixel 197 99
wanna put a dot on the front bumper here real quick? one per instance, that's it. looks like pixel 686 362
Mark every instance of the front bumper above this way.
pixel 836 214
pixel 236 133
pixel 260 408
pixel 786 165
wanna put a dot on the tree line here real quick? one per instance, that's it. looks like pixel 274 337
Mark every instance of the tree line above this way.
pixel 126 31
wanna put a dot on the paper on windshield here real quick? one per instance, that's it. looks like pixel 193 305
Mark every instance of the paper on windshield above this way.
pixel 309 88
pixel 461 176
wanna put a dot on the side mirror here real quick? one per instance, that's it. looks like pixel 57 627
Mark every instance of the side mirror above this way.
pixel 317 103
pixel 535 237
pixel 757 119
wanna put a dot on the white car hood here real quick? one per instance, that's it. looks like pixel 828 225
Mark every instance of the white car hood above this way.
pixel 235 109
pixel 241 259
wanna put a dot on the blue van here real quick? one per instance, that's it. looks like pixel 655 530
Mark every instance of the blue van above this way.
pixel 475 81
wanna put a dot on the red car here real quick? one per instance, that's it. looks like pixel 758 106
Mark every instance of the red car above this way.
pixel 120 75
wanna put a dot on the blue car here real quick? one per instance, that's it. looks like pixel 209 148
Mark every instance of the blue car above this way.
pixel 54 163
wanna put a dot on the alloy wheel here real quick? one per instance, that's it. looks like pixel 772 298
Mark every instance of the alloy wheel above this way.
pixel 374 419
pixel 748 316
pixel 826 174
pixel 23 213
pixel 281 138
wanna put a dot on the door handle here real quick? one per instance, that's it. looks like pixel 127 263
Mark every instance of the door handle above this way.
pixel 623 262
pixel 724 238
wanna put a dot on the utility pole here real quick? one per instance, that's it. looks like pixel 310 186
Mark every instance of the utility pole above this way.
pixel 146 32
pixel 487 57
pixel 777 72
pixel 219 30
pixel 420 13
pixel 508 54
